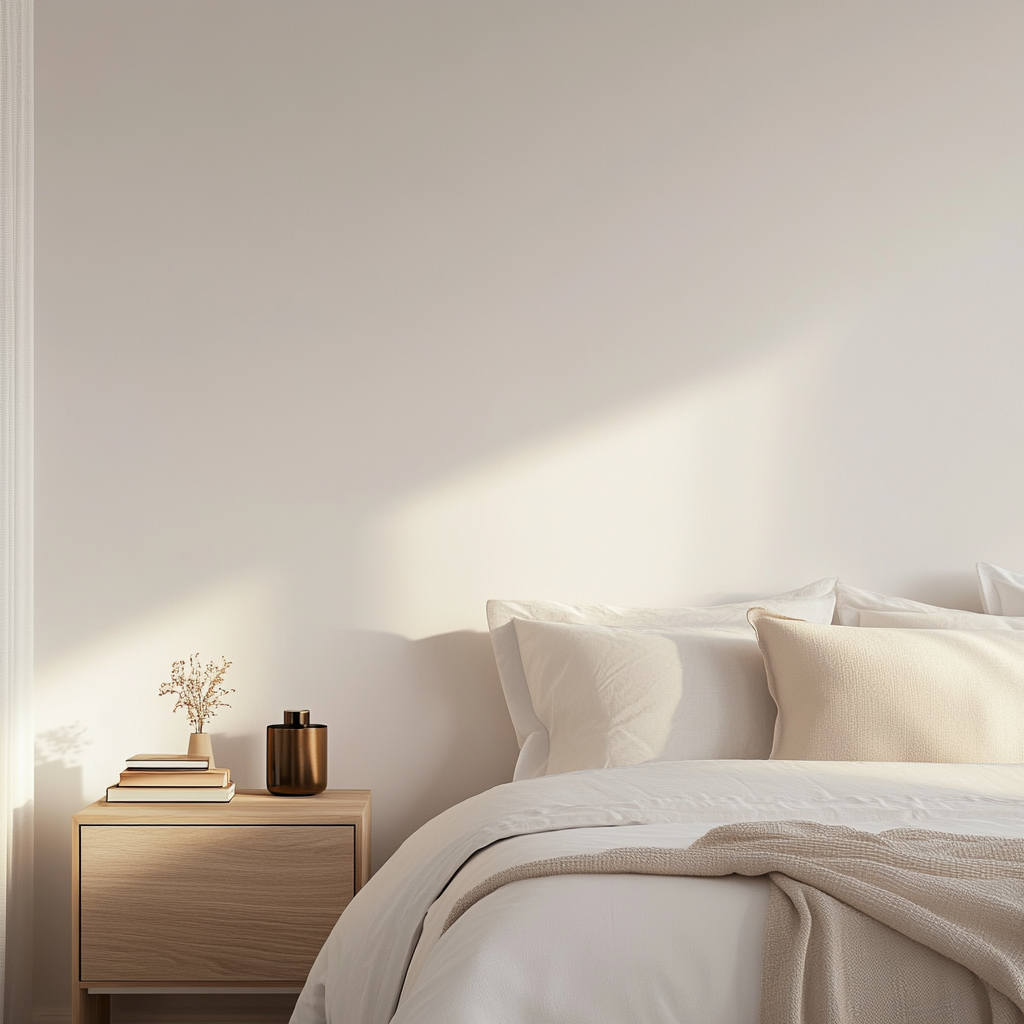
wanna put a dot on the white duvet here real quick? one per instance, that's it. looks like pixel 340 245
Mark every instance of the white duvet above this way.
pixel 593 948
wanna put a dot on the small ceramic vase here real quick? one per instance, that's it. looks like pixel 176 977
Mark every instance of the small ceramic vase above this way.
pixel 199 745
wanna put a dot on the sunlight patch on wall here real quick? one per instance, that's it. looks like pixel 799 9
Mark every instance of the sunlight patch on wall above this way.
pixel 99 704
pixel 678 501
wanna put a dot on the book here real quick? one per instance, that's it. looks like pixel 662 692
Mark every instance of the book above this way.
pixel 170 794
pixel 212 777
pixel 177 762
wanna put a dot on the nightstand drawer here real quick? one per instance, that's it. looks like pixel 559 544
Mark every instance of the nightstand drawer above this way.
pixel 210 903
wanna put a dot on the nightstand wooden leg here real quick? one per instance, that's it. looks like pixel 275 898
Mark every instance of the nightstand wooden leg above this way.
pixel 87 1009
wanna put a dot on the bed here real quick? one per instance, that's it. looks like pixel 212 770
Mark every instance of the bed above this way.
pixel 554 899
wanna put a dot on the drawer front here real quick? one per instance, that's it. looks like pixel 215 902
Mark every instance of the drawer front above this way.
pixel 210 903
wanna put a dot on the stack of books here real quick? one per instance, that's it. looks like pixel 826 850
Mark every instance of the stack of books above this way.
pixel 171 778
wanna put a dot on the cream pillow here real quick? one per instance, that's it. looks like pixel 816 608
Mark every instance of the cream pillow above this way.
pixel 863 608
pixel 608 697
pixel 814 602
pixel 1002 591
pixel 893 694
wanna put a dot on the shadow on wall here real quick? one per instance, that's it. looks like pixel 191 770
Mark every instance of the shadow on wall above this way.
pixel 421 723
pixel 948 589
pixel 424 721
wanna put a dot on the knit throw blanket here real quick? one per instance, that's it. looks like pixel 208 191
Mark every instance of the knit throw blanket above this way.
pixel 906 927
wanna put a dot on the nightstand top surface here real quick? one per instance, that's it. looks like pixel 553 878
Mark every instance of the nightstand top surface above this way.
pixel 249 807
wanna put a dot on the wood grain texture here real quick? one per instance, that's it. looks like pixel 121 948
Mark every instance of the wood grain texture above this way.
pixel 210 903
pixel 249 807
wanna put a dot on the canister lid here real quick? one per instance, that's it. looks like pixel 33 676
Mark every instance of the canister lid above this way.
pixel 296 718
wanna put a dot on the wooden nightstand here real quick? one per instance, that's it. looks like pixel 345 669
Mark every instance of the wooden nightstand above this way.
pixel 205 897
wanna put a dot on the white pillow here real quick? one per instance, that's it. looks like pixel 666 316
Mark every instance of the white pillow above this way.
pixel 609 696
pixel 863 608
pixel 1002 591
pixel 814 602
pixel 941 695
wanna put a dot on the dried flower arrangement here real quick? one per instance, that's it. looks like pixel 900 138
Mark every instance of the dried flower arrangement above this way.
pixel 201 693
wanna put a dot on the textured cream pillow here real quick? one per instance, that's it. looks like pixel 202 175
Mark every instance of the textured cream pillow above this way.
pixel 608 697
pixel 893 694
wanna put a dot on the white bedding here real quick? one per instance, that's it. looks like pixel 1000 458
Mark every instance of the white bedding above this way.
pixel 591 947
pixel 594 948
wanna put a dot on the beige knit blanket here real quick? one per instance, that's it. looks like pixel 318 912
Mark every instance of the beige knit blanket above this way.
pixel 906 927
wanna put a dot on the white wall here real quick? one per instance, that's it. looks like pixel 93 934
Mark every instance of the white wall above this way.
pixel 350 316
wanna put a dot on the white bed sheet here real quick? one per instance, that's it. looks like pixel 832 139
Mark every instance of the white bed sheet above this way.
pixel 599 948
pixel 545 949
pixel 590 948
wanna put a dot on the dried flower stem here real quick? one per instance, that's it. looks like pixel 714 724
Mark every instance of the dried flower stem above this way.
pixel 201 692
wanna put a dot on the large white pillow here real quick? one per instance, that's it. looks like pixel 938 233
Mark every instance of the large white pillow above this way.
pixel 1002 591
pixel 944 695
pixel 814 602
pixel 863 608
pixel 608 696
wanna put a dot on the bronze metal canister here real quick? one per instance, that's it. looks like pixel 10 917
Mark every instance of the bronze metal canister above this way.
pixel 296 756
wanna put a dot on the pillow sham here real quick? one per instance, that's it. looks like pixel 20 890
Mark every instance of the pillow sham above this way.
pixel 1002 591
pixel 814 602
pixel 938 695
pixel 608 696
pixel 863 608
